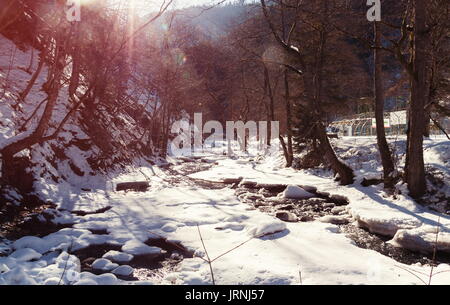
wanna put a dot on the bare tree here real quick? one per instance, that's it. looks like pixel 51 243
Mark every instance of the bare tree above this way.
pixel 415 168
pixel 385 152
pixel 314 86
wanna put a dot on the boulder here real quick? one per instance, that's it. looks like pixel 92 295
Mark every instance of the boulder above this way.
pixel 103 264
pixel 124 270
pixel 136 247
pixel 287 216
pixel 232 180
pixel 296 192
pixel 140 186
pixel 336 220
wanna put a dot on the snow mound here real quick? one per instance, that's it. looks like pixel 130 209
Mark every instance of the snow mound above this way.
pixel 124 270
pixel 25 255
pixel 104 264
pixel 136 247
pixel 106 279
pixel 336 220
pixel 267 228
pixel 42 245
pixel 384 223
pixel 53 281
pixel 5 249
pixel 118 257
pixel 295 192
pixel 86 282
pixel 89 239
pixel 31 242
pixel 169 227
pixel 87 278
pixel 423 239
pixel 3 268
pixel 17 276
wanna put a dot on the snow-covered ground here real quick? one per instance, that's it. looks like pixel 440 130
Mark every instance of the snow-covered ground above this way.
pixel 307 253
pixel 311 253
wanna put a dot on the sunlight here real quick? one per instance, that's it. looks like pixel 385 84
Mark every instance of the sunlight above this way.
pixel 87 2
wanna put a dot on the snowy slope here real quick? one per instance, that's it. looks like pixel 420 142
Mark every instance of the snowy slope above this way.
pixel 60 167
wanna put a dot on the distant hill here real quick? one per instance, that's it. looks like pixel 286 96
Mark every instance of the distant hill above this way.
pixel 213 22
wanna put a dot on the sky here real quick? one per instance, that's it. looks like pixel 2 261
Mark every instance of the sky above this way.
pixel 184 3
pixel 144 7
pixel 155 4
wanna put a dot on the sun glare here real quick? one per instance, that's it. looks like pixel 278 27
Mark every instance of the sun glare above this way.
pixel 87 2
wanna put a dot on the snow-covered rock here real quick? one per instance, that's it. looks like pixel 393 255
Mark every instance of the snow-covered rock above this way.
pixel 89 239
pixel 336 220
pixel 123 270
pixel 136 247
pixel 41 245
pixel 287 216
pixel 52 281
pixel 295 192
pixel 118 257
pixel 423 239
pixel 3 268
pixel 25 255
pixel 385 224
pixel 5 249
pixel 339 210
pixel 106 279
pixel 86 282
pixel 104 264
pixel 267 228
pixel 17 276
pixel 31 242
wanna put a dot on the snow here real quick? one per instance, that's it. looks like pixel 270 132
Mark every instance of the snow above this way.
pixel 90 239
pixel 423 239
pixel 265 250
pixel 136 247
pixel 334 219
pixel 3 268
pixel 267 228
pixel 26 254
pixel 106 279
pixel 42 245
pixel 53 281
pixel 296 192
pixel 268 251
pixel 17 276
pixel 86 282
pixel 104 264
pixel 123 270
pixel 118 257
pixel 32 242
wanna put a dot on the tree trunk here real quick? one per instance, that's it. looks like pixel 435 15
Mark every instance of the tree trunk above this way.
pixel 75 77
pixel 289 153
pixel 33 79
pixel 289 150
pixel 271 106
pixel 415 170
pixel 52 88
pixel 9 151
pixel 345 172
pixel 314 89
pixel 385 153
